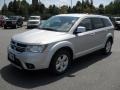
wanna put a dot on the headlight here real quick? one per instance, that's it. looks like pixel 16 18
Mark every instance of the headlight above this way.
pixel 36 48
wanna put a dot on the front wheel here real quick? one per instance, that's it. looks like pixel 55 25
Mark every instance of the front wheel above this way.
pixel 60 62
pixel 5 27
pixel 107 48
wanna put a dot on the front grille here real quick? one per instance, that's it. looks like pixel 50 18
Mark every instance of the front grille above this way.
pixel 16 62
pixel 8 22
pixel 18 46
pixel 33 22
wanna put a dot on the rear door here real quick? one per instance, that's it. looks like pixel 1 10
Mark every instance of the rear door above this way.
pixel 100 32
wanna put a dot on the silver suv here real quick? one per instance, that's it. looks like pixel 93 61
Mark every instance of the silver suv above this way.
pixel 59 40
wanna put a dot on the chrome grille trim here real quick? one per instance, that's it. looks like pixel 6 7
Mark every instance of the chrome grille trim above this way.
pixel 18 46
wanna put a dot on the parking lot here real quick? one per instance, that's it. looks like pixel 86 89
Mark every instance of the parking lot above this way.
pixel 91 72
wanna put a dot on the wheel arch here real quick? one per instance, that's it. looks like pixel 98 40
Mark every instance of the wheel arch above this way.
pixel 61 45
pixel 110 37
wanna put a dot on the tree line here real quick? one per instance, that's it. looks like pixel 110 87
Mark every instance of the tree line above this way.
pixel 23 8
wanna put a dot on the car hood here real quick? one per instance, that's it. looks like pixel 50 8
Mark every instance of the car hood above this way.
pixel 118 22
pixel 38 36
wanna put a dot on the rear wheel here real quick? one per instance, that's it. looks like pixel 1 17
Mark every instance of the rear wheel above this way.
pixel 21 25
pixel 107 48
pixel 60 62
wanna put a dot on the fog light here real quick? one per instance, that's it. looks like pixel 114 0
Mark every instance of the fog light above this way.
pixel 30 66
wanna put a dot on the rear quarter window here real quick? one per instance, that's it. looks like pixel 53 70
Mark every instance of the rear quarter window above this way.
pixel 106 22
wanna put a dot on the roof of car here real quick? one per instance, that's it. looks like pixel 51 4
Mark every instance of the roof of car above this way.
pixel 116 17
pixel 34 16
pixel 82 15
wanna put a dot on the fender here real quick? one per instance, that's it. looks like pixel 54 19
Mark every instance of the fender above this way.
pixel 58 46
pixel 108 36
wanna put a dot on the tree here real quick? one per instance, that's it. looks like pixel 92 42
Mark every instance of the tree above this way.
pixel 64 9
pixel 24 8
pixel 53 10
pixel 78 7
pixel 113 8
pixel 4 9
pixel 69 10
pixel 101 9
pixel 10 6
pixel 15 7
pixel 41 8
pixel 109 8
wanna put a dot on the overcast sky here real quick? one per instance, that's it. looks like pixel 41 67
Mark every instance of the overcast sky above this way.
pixel 61 2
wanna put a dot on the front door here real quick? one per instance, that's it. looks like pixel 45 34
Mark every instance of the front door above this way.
pixel 84 42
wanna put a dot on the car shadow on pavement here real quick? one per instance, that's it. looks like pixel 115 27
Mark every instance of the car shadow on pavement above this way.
pixel 34 79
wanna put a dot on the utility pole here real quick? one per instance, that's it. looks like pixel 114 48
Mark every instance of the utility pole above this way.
pixel 4 7
pixel 71 3
pixel 39 2
pixel 4 2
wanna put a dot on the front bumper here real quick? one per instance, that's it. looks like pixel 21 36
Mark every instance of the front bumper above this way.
pixel 28 60
pixel 32 25
pixel 10 25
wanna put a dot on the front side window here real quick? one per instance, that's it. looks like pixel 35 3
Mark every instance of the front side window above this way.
pixel 13 18
pixel 86 23
pixel 34 18
pixel 59 23
pixel 97 23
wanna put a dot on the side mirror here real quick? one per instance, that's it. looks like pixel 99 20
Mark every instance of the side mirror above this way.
pixel 80 29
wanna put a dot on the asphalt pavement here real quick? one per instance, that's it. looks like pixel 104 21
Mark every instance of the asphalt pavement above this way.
pixel 91 72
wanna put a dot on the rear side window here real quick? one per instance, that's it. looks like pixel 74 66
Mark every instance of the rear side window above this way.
pixel 106 22
pixel 97 23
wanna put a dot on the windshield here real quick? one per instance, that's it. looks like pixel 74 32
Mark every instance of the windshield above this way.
pixel 59 23
pixel 117 19
pixel 13 18
pixel 34 18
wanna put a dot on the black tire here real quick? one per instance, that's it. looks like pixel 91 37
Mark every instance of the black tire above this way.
pixel 15 26
pixel 54 60
pixel 21 25
pixel 28 27
pixel 5 27
pixel 107 49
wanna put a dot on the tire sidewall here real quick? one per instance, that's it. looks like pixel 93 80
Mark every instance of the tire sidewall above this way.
pixel 105 50
pixel 54 60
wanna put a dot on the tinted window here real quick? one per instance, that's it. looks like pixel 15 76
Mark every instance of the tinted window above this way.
pixel 117 19
pixel 106 22
pixel 13 18
pixel 34 18
pixel 86 23
pixel 97 23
